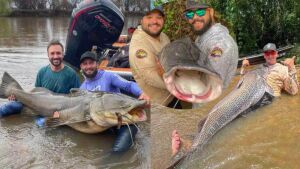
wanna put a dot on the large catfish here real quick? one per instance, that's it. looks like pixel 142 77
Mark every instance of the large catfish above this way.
pixel 251 92
pixel 198 72
pixel 88 112
pixel 187 74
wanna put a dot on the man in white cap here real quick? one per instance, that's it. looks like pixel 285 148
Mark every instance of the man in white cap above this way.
pixel 278 76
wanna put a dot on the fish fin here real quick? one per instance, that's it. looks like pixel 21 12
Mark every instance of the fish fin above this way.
pixel 28 111
pixel 77 92
pixel 41 90
pixel 53 122
pixel 7 84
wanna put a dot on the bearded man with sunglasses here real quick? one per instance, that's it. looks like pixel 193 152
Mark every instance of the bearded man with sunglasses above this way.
pixel 214 42
pixel 213 39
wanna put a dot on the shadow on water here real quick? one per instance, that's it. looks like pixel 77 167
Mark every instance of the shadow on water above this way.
pixel 23 52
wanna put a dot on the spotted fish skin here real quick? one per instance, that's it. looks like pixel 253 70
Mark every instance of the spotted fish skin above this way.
pixel 249 93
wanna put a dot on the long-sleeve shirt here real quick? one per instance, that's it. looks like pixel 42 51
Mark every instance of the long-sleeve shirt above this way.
pixel 143 53
pixel 110 82
pixel 280 78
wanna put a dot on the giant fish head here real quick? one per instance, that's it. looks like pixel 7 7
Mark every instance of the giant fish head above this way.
pixel 188 75
pixel 111 109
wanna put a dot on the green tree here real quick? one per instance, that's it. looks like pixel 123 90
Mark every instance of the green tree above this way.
pixel 252 23
pixel 4 8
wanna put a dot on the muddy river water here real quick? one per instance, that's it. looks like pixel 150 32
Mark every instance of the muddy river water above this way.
pixel 23 44
pixel 265 138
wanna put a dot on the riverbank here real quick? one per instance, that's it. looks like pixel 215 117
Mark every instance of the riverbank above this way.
pixel 47 13
pixel 38 13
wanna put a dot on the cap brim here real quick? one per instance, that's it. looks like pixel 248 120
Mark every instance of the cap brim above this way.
pixel 269 50
pixel 197 7
pixel 82 59
pixel 155 10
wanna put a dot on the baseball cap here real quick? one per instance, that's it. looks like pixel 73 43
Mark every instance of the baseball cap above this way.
pixel 269 46
pixel 156 9
pixel 88 54
pixel 195 4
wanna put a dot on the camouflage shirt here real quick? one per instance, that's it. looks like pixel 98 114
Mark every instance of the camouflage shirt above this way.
pixel 280 78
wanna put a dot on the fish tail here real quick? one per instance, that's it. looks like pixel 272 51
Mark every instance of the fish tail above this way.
pixel 8 83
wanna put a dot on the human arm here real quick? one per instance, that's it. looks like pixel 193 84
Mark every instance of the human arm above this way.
pixel 291 84
pixel 129 86
pixel 245 64
pixel 121 83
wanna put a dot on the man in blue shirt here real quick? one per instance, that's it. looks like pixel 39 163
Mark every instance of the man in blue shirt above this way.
pixel 56 76
pixel 100 80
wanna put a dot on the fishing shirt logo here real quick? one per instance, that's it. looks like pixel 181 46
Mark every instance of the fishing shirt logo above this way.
pixel 216 52
pixel 141 53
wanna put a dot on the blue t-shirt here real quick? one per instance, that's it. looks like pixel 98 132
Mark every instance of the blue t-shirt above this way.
pixel 58 82
pixel 110 82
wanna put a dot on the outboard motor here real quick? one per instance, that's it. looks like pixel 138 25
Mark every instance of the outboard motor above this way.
pixel 93 22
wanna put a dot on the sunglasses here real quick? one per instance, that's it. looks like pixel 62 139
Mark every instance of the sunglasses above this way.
pixel 190 14
pixel 270 53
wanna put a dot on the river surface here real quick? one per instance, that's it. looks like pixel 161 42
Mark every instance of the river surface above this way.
pixel 23 44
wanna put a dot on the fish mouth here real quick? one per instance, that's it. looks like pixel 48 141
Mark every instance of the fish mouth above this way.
pixel 202 96
pixel 193 84
pixel 138 114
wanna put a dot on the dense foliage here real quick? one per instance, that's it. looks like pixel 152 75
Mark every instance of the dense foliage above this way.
pixel 252 23
pixel 4 10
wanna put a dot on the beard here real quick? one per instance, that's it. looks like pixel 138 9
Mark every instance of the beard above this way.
pixel 90 76
pixel 205 27
pixel 153 34
pixel 56 62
